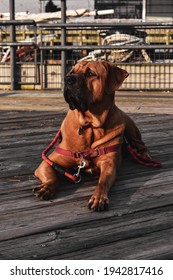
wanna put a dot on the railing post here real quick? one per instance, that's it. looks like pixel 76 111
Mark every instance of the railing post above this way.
pixel 144 7
pixel 63 41
pixel 12 48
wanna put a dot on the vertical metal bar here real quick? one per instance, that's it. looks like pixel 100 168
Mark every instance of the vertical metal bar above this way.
pixel 63 41
pixel 12 48
pixel 35 56
pixel 40 9
pixel 42 80
pixel 144 7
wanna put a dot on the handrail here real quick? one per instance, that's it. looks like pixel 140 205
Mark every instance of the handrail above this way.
pixel 106 47
pixel 17 22
pixel 106 25
pixel 17 44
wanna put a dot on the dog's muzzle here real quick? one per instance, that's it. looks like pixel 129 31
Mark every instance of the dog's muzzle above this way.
pixel 74 92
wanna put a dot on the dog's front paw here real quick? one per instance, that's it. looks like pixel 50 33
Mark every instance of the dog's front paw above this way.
pixel 98 202
pixel 45 191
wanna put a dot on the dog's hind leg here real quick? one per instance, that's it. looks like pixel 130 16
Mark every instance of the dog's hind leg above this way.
pixel 134 137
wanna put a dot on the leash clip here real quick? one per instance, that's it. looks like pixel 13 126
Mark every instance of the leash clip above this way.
pixel 80 166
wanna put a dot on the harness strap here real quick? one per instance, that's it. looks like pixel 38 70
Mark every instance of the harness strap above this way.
pixel 90 153
pixel 55 166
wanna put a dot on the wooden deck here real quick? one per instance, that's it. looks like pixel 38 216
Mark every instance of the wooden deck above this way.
pixel 139 223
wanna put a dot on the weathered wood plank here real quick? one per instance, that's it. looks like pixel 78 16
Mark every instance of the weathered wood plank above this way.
pixel 129 195
pixel 89 240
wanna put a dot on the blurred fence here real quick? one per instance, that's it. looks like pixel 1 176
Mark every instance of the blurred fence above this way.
pixel 145 50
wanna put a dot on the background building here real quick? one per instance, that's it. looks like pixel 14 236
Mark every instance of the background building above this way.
pixel 139 9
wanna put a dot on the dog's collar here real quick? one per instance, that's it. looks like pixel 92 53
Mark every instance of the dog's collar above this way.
pixel 81 129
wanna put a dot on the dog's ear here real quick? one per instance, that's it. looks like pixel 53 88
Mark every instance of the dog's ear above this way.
pixel 120 75
pixel 115 77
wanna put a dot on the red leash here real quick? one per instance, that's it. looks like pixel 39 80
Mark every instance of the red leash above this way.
pixel 139 158
pixel 50 147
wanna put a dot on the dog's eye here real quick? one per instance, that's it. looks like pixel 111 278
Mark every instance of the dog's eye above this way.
pixel 89 73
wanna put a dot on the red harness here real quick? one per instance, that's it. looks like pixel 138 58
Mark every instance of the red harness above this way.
pixel 85 155
pixel 89 154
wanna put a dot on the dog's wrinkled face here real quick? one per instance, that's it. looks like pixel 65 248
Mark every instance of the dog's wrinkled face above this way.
pixel 87 82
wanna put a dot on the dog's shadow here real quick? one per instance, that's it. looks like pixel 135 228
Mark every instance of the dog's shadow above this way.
pixel 137 187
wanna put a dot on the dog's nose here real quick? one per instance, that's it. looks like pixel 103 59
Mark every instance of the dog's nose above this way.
pixel 70 80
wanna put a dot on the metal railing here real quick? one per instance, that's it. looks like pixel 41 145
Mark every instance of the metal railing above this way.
pixel 10 69
pixel 154 72
pixel 149 59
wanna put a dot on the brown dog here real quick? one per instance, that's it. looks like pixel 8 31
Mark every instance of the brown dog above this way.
pixel 94 128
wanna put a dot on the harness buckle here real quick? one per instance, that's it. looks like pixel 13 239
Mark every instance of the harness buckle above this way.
pixel 78 154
